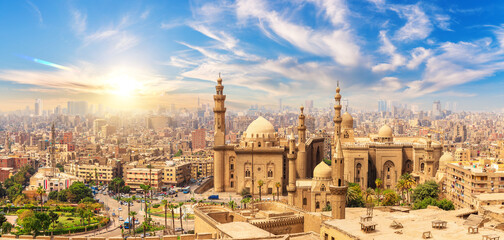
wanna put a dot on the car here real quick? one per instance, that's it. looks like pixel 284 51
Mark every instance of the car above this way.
pixel 178 229
pixel 247 196
pixel 113 214
pixel 120 209
pixel 121 218
pixel 213 197
pixel 137 222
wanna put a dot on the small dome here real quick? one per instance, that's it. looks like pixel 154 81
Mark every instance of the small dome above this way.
pixel 385 131
pixel 322 171
pixel 446 158
pixel 259 127
pixel 347 120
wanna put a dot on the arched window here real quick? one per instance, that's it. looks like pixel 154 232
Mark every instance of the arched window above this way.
pixel 422 167
pixel 259 144
pixel 358 172
pixel 305 201
pixel 247 173
pixel 317 205
pixel 322 188
pixel 270 173
pixel 339 182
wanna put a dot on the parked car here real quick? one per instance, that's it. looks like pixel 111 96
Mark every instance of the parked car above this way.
pixel 121 219
pixel 120 209
pixel 213 197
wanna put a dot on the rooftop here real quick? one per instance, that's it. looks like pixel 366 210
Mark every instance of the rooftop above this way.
pixel 242 230
pixel 415 223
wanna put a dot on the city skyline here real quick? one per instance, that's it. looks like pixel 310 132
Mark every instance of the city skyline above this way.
pixel 140 55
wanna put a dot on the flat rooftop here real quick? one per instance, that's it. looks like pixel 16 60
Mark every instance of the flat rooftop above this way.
pixel 490 197
pixel 242 230
pixel 415 223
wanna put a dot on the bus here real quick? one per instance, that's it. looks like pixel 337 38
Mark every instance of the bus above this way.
pixel 128 223
pixel 186 190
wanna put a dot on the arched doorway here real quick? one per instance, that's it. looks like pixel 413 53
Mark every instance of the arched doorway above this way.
pixel 389 174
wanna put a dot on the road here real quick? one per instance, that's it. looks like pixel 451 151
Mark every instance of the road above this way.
pixel 114 231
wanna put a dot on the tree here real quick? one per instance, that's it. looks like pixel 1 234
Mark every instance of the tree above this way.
pixel 133 214
pixel 41 191
pixel 60 167
pixel 87 200
pixel 2 219
pixel 165 203
pixel 3 191
pixel 390 198
pixel 180 204
pixel 79 191
pixel 14 191
pixel 146 189
pixel 368 193
pixel 172 209
pixel 150 167
pixel 129 201
pixel 327 161
pixel 278 185
pixel 245 192
pixel 126 189
pixel 20 200
pixel 428 189
pixel 53 218
pixel 400 186
pixel 179 153
pixel 409 182
pixel 260 183
pixel 378 183
pixel 116 184
pixel 6 227
pixel 245 201
pixel 354 196
pixel 232 204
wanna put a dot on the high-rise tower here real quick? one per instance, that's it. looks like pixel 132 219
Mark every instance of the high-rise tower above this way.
pixel 338 188
pixel 220 136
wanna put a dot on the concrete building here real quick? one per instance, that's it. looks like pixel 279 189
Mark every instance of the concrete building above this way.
pixel 97 125
pixel 98 173
pixel 462 154
pixel 464 181
pixel 38 107
pixel 198 140
pixel 146 176
pixel 176 174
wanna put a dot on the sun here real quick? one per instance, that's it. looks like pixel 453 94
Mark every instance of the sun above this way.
pixel 124 85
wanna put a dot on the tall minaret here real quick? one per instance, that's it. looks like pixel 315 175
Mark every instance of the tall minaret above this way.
pixel 301 160
pixel 291 156
pixel 7 142
pixel 51 151
pixel 219 136
pixel 338 187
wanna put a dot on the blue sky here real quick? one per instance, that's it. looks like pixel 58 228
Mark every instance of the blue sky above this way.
pixel 141 54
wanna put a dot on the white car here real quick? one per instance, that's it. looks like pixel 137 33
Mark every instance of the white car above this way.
pixel 121 219
pixel 120 209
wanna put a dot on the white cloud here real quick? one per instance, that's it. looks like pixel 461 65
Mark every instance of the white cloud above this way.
pixel 145 14
pixel 396 59
pixel 335 10
pixel 79 22
pixel 38 14
pixel 418 25
pixel 418 55
pixel 338 43
pixel 388 84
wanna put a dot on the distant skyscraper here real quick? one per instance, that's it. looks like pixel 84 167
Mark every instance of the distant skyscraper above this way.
pixel 77 108
pixel 38 107
pixel 382 105
pixel 308 105
pixel 280 104
pixel 436 109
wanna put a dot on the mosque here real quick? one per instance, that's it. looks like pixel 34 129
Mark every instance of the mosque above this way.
pixel 310 183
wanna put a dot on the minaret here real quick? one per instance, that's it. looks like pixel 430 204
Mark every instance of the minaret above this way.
pixel 51 150
pixel 301 161
pixel 291 188
pixel 219 136
pixel 7 142
pixel 338 187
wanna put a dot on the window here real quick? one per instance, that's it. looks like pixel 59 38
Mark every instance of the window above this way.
pixel 231 167
pixel 232 184
pixel 270 190
pixel 270 173
pixel 247 173
pixel 232 175
pixel 305 201
pixel 259 144
pixel 322 188
pixel 326 237
pixel 317 205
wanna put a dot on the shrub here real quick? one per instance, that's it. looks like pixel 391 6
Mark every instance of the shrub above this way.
pixel 156 205
pixel 390 198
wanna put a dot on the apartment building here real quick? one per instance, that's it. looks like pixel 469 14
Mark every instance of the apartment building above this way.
pixel 201 166
pixel 462 154
pixel 176 173
pixel 143 176
pixel 466 180
pixel 97 173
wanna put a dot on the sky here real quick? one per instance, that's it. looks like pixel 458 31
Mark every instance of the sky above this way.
pixel 144 54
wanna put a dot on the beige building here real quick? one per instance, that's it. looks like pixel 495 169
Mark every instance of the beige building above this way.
pixel 462 154
pixel 51 181
pixel 97 173
pixel 146 176
pixel 387 157
pixel 260 155
pixel 176 174
pixel 464 181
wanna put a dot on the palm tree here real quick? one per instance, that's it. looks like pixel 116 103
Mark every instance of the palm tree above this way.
pixel 172 209
pixel 150 177
pixel 278 185
pixel 96 177
pixel 260 183
pixel 245 201
pixel 128 201
pixel 41 191
pixel 53 217
pixel 400 186
pixel 232 204
pixel 409 182
pixel 145 188
pixel 180 204
pixel 352 194
pixel 379 184
pixel 165 203
pixel 133 214
pixel 368 193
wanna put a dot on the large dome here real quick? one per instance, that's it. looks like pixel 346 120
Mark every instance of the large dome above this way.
pixel 347 120
pixel 322 171
pixel 385 132
pixel 446 158
pixel 259 128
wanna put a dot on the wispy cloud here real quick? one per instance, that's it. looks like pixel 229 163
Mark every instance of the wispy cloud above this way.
pixel 418 25
pixel 37 12
pixel 79 23
pixel 389 49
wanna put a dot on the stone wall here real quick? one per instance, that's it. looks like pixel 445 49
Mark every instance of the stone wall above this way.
pixel 205 186
pixel 167 237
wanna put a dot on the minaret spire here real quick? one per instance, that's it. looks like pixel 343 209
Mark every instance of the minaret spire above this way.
pixel 219 136
pixel 338 187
